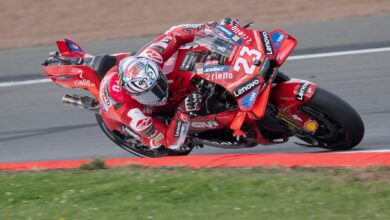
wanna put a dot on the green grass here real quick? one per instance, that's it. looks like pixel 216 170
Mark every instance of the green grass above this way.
pixel 182 193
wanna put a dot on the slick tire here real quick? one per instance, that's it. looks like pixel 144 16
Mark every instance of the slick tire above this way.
pixel 344 126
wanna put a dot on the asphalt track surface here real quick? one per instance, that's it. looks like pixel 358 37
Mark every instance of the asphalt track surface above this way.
pixel 35 125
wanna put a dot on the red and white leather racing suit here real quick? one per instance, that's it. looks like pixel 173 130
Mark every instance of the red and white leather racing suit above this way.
pixel 116 104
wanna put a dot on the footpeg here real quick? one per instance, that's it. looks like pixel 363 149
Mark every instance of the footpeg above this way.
pixel 83 102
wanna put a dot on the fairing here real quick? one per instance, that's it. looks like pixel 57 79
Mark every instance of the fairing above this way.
pixel 246 55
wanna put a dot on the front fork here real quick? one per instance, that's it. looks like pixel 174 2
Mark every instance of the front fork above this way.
pixel 288 97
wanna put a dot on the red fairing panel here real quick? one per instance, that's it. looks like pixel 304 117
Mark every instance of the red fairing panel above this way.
pixel 74 76
pixel 290 95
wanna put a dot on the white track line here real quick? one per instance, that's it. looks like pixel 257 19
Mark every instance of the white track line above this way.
pixel 26 82
pixel 298 57
pixel 340 53
pixel 364 151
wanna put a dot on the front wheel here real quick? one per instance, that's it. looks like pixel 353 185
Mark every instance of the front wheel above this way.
pixel 339 125
pixel 135 147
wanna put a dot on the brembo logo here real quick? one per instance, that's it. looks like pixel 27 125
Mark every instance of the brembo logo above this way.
pixel 246 87
pixel 267 43
pixel 302 91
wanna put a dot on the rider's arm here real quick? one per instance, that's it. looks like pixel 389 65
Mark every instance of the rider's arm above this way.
pixel 153 132
pixel 161 48
pixel 156 133
pixel 164 46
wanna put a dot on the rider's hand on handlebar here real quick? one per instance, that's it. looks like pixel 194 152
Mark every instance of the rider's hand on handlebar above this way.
pixel 192 103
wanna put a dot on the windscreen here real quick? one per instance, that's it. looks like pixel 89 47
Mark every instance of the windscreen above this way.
pixel 215 42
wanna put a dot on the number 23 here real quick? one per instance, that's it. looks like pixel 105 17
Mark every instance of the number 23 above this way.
pixel 242 62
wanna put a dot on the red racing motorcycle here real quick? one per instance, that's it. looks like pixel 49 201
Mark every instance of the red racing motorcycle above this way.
pixel 248 101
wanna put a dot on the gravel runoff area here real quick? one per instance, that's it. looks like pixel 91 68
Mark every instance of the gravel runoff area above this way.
pixel 40 22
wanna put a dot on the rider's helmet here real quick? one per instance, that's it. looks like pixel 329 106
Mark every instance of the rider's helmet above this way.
pixel 143 79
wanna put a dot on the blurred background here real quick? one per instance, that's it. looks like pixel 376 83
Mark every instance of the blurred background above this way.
pixel 34 125
pixel 40 22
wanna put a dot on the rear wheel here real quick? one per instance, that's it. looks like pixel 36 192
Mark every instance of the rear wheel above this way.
pixel 137 148
pixel 339 125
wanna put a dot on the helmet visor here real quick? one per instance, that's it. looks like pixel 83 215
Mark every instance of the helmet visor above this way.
pixel 157 94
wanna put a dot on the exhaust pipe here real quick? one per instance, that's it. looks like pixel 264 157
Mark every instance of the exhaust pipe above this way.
pixel 83 102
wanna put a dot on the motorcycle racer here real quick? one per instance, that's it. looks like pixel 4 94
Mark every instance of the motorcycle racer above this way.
pixel 140 85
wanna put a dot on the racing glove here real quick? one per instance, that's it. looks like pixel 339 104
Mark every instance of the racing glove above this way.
pixel 180 124
pixel 192 103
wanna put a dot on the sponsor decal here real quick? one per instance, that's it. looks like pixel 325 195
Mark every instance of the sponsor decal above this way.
pixel 188 62
pixel 73 47
pixel 204 124
pixel 311 126
pixel 139 121
pixel 162 44
pixel 105 99
pixel 277 39
pixel 218 143
pixel 302 91
pixel 224 31
pixel 106 102
pixel 211 69
pixel 152 54
pixel 233 52
pixel 229 34
pixel 266 42
pixel 187 28
pixel 211 63
pixel 241 34
pixel 143 124
pixel 220 76
pixel 116 87
pixel 182 136
pixel 83 82
pixel 156 136
pixel 131 133
pixel 178 128
pixel 193 26
pixel 246 87
pixel 249 99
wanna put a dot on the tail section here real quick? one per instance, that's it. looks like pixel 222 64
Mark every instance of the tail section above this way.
pixel 69 68
pixel 70 48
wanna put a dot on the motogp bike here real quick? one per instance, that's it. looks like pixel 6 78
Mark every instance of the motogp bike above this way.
pixel 247 100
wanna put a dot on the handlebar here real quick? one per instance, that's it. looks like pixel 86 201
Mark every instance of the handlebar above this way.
pixel 55 58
